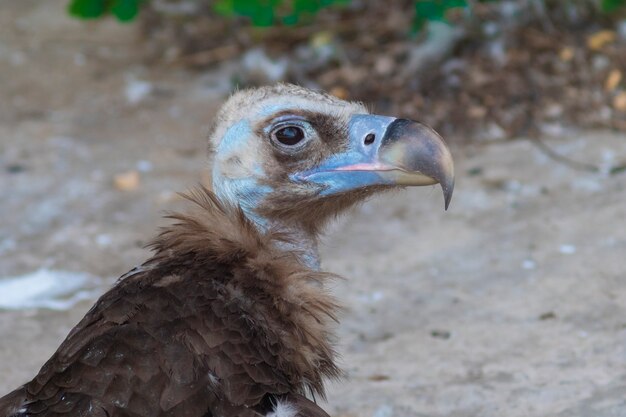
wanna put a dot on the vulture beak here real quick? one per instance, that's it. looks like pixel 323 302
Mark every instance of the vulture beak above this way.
pixel 386 151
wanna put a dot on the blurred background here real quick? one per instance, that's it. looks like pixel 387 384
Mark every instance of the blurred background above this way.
pixel 512 303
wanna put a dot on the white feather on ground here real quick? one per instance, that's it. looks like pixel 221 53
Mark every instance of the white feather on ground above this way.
pixel 45 288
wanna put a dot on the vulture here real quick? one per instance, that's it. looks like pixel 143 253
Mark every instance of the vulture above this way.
pixel 231 315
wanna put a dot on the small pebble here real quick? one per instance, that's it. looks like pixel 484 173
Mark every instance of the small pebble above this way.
pixel 567 249
pixel 144 166
pixel 378 377
pixel 598 40
pixel 612 80
pixel 547 316
pixel 126 181
pixel 619 101
pixel 103 240
pixel 136 90
pixel 15 168
pixel 384 410
pixel 440 334
pixel 566 54
pixel 372 297
pixel 340 92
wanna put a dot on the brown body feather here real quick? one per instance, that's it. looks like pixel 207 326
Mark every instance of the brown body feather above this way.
pixel 219 322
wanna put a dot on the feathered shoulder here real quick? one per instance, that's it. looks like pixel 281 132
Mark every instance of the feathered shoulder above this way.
pixel 218 319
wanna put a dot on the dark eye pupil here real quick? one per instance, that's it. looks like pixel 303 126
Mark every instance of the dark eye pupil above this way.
pixel 290 135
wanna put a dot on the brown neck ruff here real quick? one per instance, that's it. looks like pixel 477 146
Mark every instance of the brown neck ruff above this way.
pixel 282 296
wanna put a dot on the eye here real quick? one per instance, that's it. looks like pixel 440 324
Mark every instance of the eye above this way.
pixel 289 135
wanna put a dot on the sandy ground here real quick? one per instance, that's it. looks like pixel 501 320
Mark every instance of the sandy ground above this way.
pixel 513 303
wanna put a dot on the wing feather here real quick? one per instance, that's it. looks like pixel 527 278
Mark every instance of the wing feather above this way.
pixel 124 356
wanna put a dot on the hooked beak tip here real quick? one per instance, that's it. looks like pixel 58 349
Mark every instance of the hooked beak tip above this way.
pixel 448 188
pixel 420 152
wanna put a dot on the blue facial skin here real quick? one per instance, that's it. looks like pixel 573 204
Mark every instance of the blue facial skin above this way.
pixel 245 192
pixel 336 182
pixel 339 182
pixel 235 138
pixel 248 193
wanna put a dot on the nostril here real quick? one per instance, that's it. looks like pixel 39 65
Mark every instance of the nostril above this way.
pixel 369 139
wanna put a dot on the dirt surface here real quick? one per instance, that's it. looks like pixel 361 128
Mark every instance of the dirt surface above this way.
pixel 512 303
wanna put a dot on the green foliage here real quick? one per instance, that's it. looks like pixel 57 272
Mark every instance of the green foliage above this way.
pixel 123 10
pixel 260 12
pixel 271 12
pixel 434 10
pixel 286 12
pixel 609 6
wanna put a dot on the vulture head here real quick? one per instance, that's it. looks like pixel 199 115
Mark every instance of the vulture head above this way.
pixel 292 158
